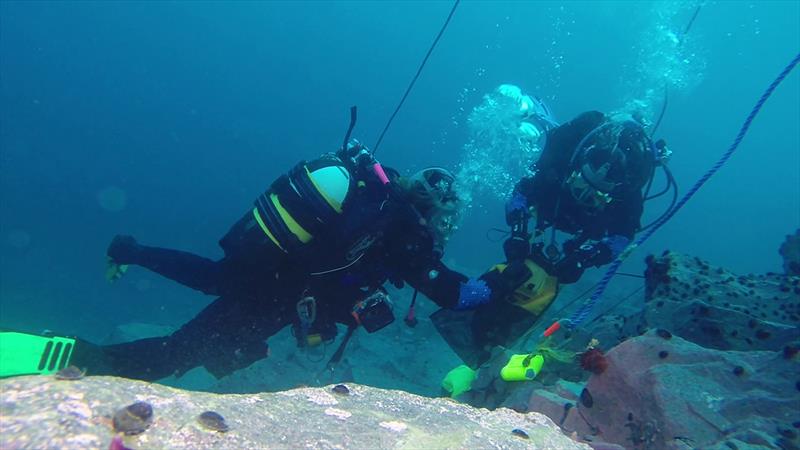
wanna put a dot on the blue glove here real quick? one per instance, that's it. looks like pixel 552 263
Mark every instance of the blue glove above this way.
pixel 473 293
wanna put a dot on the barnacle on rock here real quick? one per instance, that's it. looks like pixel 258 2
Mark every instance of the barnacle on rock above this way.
pixel 70 373
pixel 213 421
pixel 340 389
pixel 134 418
pixel 520 433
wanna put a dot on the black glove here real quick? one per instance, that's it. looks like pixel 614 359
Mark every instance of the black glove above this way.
pixel 504 283
pixel 571 267
pixel 570 246
pixel 122 249
pixel 568 270
pixel 516 249
pixel 594 254
pixel 538 256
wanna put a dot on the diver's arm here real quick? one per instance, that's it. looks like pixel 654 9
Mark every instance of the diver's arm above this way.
pixel 518 214
pixel 626 221
pixel 414 260
pixel 409 252
pixel 437 282
pixel 453 290
pixel 623 223
pixel 518 206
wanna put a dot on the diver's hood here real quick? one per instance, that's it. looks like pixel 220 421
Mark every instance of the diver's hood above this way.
pixel 434 196
pixel 616 158
pixel 436 182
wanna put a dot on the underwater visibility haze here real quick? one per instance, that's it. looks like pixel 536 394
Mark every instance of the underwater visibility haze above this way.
pixel 165 120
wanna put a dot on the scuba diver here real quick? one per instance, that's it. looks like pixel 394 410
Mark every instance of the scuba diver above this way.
pixel 589 182
pixel 315 250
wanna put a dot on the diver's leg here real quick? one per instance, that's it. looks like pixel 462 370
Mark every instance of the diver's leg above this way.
pixel 188 269
pixel 144 359
pixel 234 333
pixel 227 335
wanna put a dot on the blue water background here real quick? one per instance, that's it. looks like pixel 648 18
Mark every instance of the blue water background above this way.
pixel 192 109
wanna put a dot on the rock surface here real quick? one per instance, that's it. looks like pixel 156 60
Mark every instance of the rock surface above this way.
pixel 790 250
pixel 716 308
pixel 41 412
pixel 703 358
pixel 706 304
pixel 671 393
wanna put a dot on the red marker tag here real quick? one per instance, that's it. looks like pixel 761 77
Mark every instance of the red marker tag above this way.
pixel 552 329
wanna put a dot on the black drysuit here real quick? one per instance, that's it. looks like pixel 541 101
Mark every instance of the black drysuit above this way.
pixel 556 207
pixel 259 287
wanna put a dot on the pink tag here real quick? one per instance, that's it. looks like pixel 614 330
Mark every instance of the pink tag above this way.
pixel 380 173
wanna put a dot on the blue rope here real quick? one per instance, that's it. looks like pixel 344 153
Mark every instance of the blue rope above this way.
pixel 580 315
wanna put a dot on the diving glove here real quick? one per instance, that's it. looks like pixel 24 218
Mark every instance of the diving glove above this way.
pixel 516 248
pixel 577 259
pixel 472 294
pixel 114 271
pixel 120 251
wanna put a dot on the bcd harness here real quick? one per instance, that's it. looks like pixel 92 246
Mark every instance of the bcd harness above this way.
pixel 326 215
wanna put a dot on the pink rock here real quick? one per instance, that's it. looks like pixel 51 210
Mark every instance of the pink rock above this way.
pixel 117 444
pixel 657 390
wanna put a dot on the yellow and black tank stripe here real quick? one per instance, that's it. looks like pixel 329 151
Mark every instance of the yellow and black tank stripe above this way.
pixel 299 206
